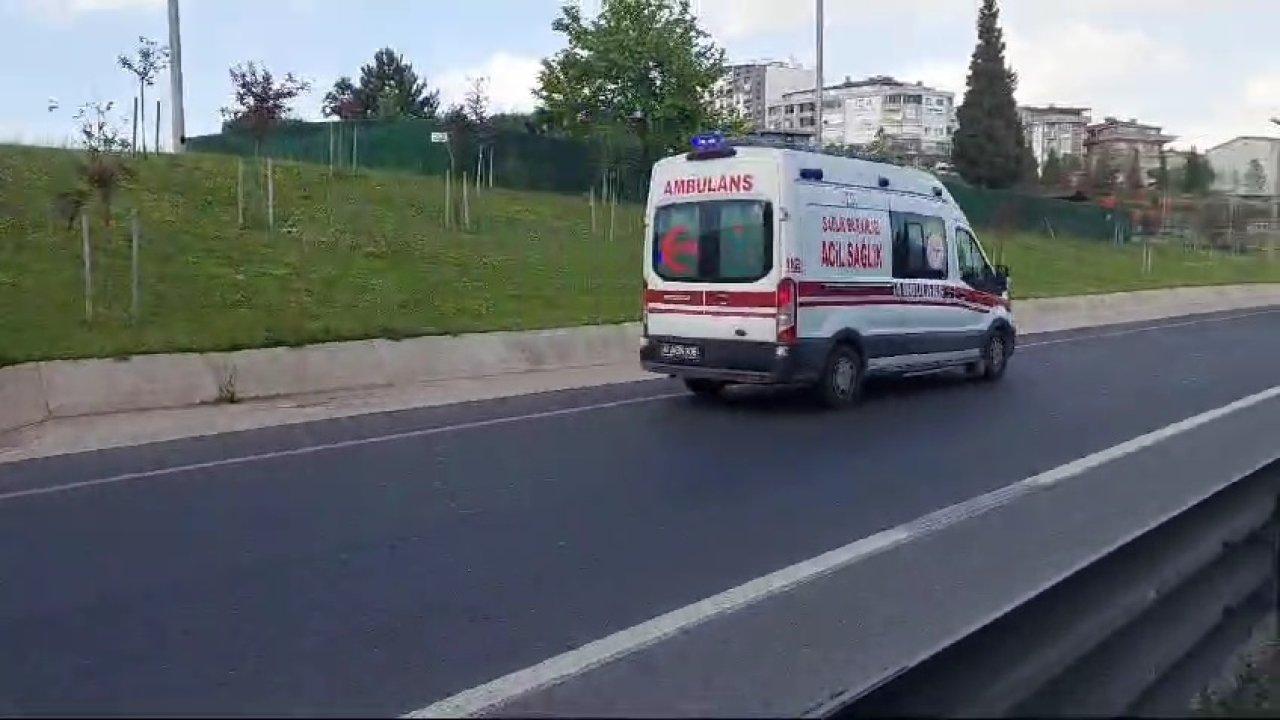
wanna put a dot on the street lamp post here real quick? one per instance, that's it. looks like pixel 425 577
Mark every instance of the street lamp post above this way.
pixel 818 86
pixel 178 122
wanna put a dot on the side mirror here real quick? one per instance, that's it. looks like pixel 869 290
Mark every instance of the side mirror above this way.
pixel 1002 279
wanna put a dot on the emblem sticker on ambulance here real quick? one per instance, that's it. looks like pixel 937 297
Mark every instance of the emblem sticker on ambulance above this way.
pixel 935 251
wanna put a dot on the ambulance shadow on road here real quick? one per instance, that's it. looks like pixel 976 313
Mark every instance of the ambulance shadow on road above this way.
pixel 775 399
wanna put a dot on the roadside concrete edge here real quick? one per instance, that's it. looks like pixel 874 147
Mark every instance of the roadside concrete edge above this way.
pixel 40 391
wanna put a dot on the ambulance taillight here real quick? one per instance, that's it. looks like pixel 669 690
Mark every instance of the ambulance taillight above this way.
pixel 644 310
pixel 788 310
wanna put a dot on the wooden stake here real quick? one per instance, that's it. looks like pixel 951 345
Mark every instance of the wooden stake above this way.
pixel 240 192
pixel 88 267
pixel 271 196
pixel 156 147
pixel 448 200
pixel 466 204
pixel 133 262
pixel 613 207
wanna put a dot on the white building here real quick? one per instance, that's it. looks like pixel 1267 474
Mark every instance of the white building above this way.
pixel 1246 166
pixel 1060 129
pixel 748 89
pixel 916 120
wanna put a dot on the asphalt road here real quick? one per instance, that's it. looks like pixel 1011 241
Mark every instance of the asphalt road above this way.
pixel 375 575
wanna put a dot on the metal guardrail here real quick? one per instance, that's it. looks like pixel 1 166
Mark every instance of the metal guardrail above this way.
pixel 1139 632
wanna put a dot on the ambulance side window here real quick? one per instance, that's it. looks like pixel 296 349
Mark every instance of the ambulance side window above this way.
pixel 919 247
pixel 973 266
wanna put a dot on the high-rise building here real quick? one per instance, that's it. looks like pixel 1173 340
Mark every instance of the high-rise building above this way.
pixel 748 89
pixel 912 118
pixel 1120 140
pixel 1061 129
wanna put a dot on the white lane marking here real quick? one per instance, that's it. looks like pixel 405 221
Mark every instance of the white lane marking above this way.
pixel 18 494
pixel 625 642
pixel 426 432
pixel 1148 328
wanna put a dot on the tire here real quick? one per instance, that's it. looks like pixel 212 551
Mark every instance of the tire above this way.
pixel 704 388
pixel 841 381
pixel 995 358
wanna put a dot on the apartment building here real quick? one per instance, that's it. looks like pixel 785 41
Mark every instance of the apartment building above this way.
pixel 916 120
pixel 748 89
pixel 1060 129
pixel 1118 140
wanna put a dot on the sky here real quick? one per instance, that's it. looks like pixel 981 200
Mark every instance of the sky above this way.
pixel 1205 71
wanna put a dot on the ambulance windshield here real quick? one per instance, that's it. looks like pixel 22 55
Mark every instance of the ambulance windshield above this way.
pixel 716 241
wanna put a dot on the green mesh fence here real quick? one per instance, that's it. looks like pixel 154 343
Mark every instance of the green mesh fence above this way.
pixel 1016 211
pixel 526 161
pixel 520 160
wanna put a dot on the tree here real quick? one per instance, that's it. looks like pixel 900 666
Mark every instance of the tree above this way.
pixel 880 148
pixel 341 102
pixel 1161 175
pixel 646 63
pixel 1255 178
pixel 262 101
pixel 1133 175
pixel 1197 175
pixel 476 102
pixel 103 169
pixel 389 88
pixel 1029 168
pixel 148 60
pixel 1051 173
pixel 1102 173
pixel 989 144
pixel 1072 167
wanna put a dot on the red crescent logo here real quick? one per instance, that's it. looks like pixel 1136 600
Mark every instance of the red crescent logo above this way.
pixel 676 244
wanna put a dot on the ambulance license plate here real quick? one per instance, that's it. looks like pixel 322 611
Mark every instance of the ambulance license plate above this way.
pixel 681 353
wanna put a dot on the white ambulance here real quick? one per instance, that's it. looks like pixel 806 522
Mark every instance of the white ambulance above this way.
pixel 771 265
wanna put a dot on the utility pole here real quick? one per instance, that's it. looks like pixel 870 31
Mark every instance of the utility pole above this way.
pixel 178 124
pixel 818 86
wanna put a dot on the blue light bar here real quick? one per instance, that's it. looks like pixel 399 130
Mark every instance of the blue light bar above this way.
pixel 709 142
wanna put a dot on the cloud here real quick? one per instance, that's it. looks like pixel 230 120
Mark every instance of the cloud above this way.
pixel 1077 62
pixel 739 19
pixel 1263 92
pixel 62 11
pixel 511 82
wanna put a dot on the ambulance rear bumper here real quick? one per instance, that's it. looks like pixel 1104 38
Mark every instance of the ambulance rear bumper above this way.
pixel 738 361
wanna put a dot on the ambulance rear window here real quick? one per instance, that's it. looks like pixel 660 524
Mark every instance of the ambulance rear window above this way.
pixel 717 241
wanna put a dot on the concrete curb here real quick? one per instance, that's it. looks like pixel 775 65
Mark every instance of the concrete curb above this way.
pixel 35 392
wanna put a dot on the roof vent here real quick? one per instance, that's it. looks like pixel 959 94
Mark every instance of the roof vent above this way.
pixel 884 181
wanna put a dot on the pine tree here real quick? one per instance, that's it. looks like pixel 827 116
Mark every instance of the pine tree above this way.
pixel 1197 176
pixel 389 87
pixel 1051 173
pixel 990 147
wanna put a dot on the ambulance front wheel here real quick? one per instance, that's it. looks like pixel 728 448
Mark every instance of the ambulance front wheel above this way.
pixel 703 387
pixel 995 357
pixel 841 381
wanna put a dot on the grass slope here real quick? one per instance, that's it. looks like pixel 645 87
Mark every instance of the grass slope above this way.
pixel 366 256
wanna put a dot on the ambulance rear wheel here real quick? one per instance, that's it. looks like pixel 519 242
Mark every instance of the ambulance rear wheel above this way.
pixel 703 387
pixel 841 381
